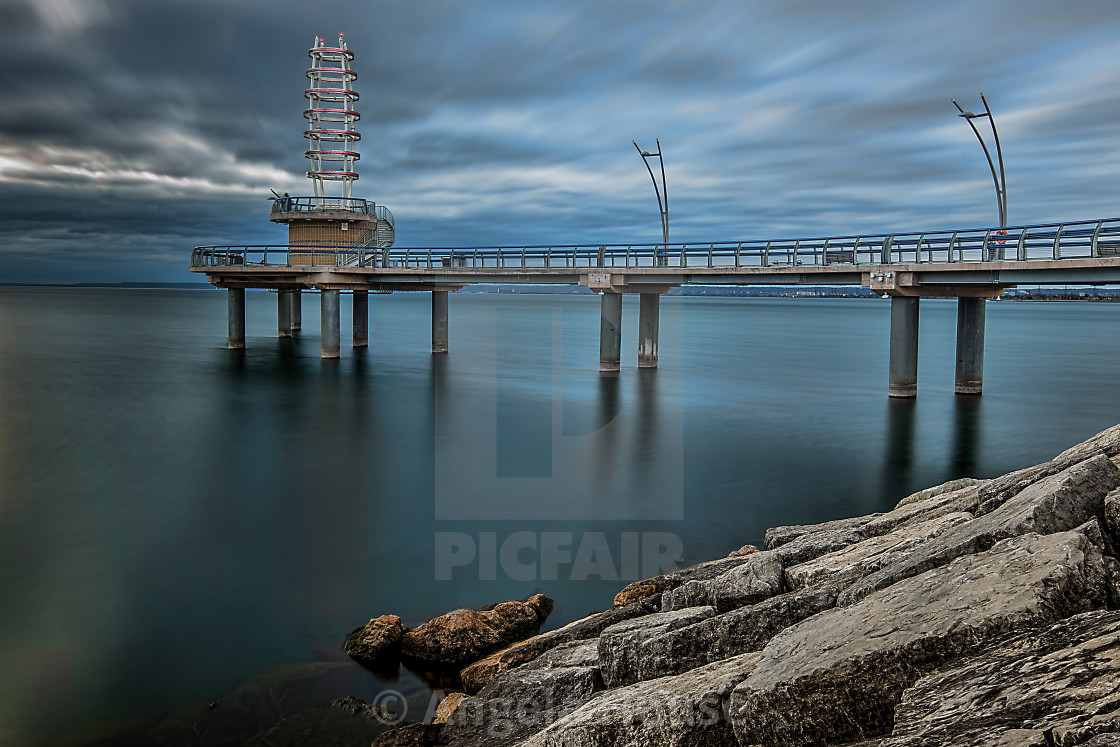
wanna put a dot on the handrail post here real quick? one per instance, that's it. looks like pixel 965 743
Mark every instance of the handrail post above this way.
pixel 766 254
pixel 952 241
pixel 1096 235
pixel 796 247
pixel 710 248
pixel 984 249
pixel 684 255
pixel 918 249
pixel 548 257
pixel 738 251
pixel 1057 241
pixel 855 251
pixel 885 252
pixel 1021 251
pixel 824 253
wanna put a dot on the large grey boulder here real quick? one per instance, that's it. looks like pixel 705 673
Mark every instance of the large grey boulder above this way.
pixel 477 675
pixel 568 674
pixel 1062 681
pixel 730 634
pixel 838 675
pixel 815 544
pixel 1055 503
pixel 649 587
pixel 619 645
pixel 521 701
pixel 953 486
pixel 689 709
pixel 843 567
pixel 778 536
pixel 756 579
pixel 966 500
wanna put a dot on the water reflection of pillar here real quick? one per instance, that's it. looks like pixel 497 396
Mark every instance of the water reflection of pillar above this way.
pixel 966 426
pixel 361 319
pixel 607 434
pixel 899 453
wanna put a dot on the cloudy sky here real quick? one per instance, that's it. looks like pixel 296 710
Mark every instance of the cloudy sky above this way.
pixel 133 130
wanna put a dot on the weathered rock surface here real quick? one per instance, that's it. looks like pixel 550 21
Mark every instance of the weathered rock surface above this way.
pixel 640 590
pixel 839 675
pixel 448 706
pixel 815 544
pixel 760 577
pixel 777 536
pixel 463 636
pixel 619 644
pixel 964 500
pixel 953 486
pixel 1062 682
pixel 730 634
pixel 688 709
pixel 743 551
pixel 1106 442
pixel 1111 516
pixel 843 567
pixel 566 675
pixel 377 643
pixel 526 699
pixel 478 675
pixel 1055 503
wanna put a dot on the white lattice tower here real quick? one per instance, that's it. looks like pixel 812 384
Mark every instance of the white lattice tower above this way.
pixel 331 118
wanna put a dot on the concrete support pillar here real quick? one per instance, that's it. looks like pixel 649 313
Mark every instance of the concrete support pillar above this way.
pixel 970 345
pixel 235 298
pixel 904 347
pixel 649 307
pixel 297 309
pixel 329 318
pixel 439 321
pixel 610 333
pixel 361 319
pixel 284 313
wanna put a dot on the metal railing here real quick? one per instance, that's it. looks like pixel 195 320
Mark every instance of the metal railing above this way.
pixel 333 205
pixel 1052 241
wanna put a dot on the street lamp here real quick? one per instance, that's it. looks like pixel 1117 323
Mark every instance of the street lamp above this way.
pixel 1000 180
pixel 663 208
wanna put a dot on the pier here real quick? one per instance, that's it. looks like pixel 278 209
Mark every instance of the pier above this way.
pixel 971 265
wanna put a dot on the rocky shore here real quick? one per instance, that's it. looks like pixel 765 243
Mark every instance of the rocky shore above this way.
pixel 978 612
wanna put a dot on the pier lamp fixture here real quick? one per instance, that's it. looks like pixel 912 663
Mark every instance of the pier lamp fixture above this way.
pixel 662 207
pixel 1000 179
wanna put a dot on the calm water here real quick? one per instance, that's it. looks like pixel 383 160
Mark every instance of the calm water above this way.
pixel 176 519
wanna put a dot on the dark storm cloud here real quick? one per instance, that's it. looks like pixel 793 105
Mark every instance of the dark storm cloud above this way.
pixel 131 131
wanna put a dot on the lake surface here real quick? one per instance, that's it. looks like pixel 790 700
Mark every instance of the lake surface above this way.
pixel 177 519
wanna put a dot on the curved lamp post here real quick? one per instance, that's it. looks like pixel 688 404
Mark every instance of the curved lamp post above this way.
pixel 662 208
pixel 1000 180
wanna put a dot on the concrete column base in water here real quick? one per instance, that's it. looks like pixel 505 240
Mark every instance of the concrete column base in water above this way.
pixel 297 309
pixel 361 319
pixel 610 333
pixel 235 298
pixel 903 380
pixel 329 314
pixel 970 345
pixel 649 308
pixel 284 313
pixel 439 321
